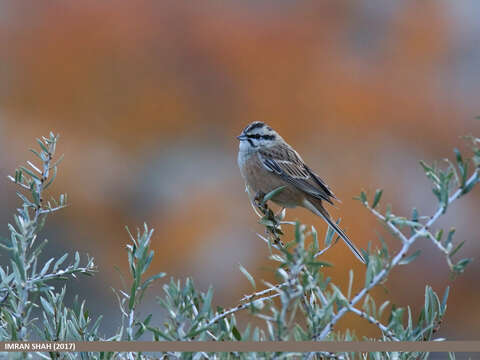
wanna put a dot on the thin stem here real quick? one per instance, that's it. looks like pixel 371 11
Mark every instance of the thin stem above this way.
pixel 374 321
pixel 131 319
pixel 442 249
pixel 391 226
pixel 238 308
pixel 48 211
pixel 263 292
pixel 45 174
pixel 69 271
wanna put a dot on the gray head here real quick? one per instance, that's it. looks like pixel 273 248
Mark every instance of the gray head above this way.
pixel 258 134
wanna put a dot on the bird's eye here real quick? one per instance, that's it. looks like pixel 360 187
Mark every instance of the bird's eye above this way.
pixel 263 137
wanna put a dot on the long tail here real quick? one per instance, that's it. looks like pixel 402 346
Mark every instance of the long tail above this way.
pixel 320 211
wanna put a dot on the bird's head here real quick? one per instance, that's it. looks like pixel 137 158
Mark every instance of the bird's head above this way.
pixel 258 135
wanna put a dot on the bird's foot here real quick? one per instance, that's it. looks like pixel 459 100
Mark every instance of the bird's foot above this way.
pixel 269 219
pixel 258 199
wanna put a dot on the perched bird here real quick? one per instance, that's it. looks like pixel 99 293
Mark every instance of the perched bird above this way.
pixel 267 162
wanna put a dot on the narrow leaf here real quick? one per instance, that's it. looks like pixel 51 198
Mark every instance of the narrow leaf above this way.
pixel 350 284
pixel 37 154
pixel 445 298
pixel 382 308
pixel 247 275
pixel 449 239
pixel 376 199
pixel 273 193
pixel 47 306
pixel 458 156
pixel 236 333
pixel 363 197
pixel 410 258
pixel 54 175
pixel 59 262
pixel 24 199
pixel 45 267
pixel 207 302
pixel 42 145
pixel 133 292
pixel 26 170
pixel 454 251
pixel 460 266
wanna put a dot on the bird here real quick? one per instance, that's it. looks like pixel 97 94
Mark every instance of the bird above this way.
pixel 268 162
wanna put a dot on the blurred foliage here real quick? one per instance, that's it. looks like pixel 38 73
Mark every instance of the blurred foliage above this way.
pixel 304 304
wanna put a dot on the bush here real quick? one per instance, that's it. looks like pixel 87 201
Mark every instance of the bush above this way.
pixel 302 306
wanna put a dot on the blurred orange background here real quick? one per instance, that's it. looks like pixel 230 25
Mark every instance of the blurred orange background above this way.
pixel 149 96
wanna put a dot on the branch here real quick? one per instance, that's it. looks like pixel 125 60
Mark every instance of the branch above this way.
pixel 406 245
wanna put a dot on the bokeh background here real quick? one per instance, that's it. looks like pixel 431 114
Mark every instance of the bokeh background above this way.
pixel 149 96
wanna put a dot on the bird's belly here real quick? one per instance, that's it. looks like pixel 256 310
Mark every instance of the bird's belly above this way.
pixel 258 179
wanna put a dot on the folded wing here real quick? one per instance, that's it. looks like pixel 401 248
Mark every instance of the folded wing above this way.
pixel 286 163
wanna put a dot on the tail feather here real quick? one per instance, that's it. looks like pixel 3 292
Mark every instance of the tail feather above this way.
pixel 320 211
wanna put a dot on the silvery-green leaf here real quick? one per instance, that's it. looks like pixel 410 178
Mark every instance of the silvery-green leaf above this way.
pixel 444 300
pixel 377 197
pixel 410 258
pixel 273 193
pixel 458 247
pixel 247 275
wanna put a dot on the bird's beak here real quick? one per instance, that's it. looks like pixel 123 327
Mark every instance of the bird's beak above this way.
pixel 241 137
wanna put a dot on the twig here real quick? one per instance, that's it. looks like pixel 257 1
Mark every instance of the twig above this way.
pixel 275 245
pixel 238 308
pixel 374 321
pixel 321 252
pixel 263 292
pixel 45 174
pixel 442 249
pixel 47 211
pixel 392 227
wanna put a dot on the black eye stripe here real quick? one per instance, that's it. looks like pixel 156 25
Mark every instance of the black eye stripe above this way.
pixel 258 136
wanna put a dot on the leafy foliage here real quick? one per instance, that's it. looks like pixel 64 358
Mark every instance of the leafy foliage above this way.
pixel 302 306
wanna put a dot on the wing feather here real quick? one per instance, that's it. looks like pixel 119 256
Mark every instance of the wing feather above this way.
pixel 320 183
pixel 286 163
